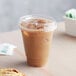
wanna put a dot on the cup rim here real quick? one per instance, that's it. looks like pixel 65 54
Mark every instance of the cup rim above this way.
pixel 26 17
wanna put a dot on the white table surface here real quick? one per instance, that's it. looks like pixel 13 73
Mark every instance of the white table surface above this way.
pixel 62 59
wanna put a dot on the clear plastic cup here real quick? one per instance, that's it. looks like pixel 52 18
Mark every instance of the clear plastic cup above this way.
pixel 37 41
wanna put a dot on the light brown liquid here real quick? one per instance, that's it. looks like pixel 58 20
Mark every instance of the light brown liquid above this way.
pixel 37 45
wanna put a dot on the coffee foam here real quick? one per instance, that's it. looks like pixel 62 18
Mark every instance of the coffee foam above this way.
pixel 37 24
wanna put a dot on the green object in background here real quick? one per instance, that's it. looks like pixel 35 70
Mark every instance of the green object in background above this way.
pixel 71 13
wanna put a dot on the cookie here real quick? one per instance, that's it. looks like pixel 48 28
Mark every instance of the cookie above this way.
pixel 10 72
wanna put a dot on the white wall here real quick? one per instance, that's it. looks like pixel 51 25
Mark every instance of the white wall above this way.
pixel 11 10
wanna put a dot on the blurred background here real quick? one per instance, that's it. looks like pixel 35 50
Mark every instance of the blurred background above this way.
pixel 12 10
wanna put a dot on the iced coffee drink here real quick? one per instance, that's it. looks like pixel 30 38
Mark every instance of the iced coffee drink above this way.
pixel 37 33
